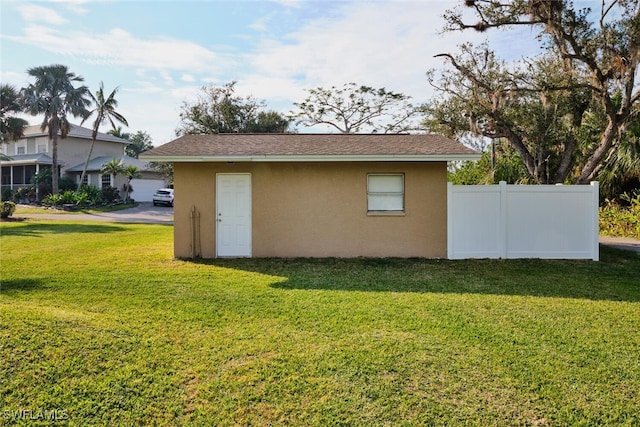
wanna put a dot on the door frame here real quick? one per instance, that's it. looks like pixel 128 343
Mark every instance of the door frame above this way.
pixel 216 214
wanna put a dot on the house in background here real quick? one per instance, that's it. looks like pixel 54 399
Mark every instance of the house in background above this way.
pixel 143 187
pixel 310 195
pixel 32 153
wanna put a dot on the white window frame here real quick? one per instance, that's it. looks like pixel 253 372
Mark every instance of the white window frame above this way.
pixel 102 183
pixel 385 197
pixel 42 144
pixel 21 145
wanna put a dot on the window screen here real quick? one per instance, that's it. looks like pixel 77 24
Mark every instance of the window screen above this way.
pixel 385 192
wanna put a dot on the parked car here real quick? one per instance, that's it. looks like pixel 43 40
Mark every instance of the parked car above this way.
pixel 163 196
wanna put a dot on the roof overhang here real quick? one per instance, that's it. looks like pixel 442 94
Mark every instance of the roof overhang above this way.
pixel 312 158
pixel 29 159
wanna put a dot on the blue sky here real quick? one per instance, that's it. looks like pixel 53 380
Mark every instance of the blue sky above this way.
pixel 160 53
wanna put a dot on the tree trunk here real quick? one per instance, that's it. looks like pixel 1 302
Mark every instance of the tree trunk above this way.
pixel 565 162
pixel 590 169
pixel 86 163
pixel 516 142
pixel 54 157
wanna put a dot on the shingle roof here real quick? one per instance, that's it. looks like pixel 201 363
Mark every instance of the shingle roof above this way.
pixel 310 147
pixel 29 159
pixel 77 132
pixel 97 163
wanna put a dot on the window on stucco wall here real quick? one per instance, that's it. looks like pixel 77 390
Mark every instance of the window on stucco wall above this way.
pixel 385 192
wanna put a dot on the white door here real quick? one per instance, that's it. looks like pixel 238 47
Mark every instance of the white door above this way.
pixel 233 215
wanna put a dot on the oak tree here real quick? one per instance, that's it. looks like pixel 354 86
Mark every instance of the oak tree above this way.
pixel 541 105
pixel 356 108
pixel 219 110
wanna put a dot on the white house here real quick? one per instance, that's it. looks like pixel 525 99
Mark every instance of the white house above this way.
pixel 32 153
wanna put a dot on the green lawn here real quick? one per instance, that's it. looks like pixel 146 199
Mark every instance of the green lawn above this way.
pixel 99 325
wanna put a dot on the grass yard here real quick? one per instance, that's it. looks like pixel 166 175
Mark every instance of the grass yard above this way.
pixel 99 325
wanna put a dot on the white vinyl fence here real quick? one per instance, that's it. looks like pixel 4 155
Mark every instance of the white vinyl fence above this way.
pixel 523 221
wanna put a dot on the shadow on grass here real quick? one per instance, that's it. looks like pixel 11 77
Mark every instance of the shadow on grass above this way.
pixel 614 278
pixel 9 286
pixel 33 229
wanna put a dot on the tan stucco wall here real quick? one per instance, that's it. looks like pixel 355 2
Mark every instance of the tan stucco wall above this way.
pixel 318 209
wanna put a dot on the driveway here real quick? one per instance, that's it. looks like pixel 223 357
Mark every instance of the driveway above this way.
pixel 621 243
pixel 145 212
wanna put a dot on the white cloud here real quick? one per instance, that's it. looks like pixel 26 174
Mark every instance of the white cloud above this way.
pixel 120 47
pixel 145 86
pixel 260 24
pixel 13 78
pixel 75 6
pixel 382 44
pixel 168 80
pixel 289 3
pixel 379 44
pixel 34 13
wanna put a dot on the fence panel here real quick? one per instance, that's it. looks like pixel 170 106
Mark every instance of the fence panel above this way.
pixel 523 221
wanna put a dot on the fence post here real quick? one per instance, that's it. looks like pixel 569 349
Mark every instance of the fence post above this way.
pixel 503 238
pixel 449 220
pixel 595 197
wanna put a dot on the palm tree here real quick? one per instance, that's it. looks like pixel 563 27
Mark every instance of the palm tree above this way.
pixel 54 96
pixel 105 111
pixel 131 172
pixel 622 172
pixel 117 131
pixel 10 127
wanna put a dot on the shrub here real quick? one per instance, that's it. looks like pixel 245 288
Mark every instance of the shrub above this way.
pixel 68 197
pixel 91 195
pixel 110 195
pixel 53 199
pixel 66 184
pixel 6 194
pixel 621 221
pixel 82 198
pixel 7 209
pixel 25 194
pixel 42 181
pixel 87 195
